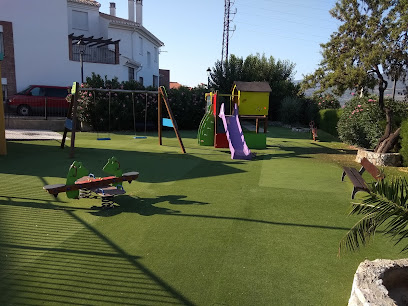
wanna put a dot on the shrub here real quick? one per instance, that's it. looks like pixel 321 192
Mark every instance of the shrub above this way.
pixel 290 111
pixel 310 111
pixel 188 106
pixel 326 101
pixel 328 119
pixel 296 110
pixel 404 142
pixel 362 122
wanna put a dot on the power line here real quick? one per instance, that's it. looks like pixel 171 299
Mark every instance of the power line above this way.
pixel 268 27
pixel 274 34
pixel 264 9
pixel 292 4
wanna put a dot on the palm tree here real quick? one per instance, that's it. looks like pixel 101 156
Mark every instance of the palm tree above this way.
pixel 386 206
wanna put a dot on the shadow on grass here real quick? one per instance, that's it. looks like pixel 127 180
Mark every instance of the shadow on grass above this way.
pixel 145 206
pixel 286 133
pixel 52 256
pixel 50 161
pixel 303 152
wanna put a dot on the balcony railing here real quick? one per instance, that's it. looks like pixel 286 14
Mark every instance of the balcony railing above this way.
pixel 101 55
pixel 94 50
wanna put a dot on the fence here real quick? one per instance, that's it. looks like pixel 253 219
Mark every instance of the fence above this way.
pixel 40 107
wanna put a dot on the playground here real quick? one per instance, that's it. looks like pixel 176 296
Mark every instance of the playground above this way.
pixel 194 229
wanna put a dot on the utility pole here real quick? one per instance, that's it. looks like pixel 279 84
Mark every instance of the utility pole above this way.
pixel 226 33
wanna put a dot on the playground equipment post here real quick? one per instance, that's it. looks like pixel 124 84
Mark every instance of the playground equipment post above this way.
pixel 3 147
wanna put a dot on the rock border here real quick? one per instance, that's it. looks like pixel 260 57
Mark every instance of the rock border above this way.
pixel 368 288
pixel 379 159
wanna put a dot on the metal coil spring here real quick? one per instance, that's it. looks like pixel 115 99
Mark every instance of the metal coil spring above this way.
pixel 85 193
pixel 107 202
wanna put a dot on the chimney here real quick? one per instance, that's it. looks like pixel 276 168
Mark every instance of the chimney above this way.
pixel 139 12
pixel 112 9
pixel 131 6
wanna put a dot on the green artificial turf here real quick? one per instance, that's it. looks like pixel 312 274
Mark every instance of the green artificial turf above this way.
pixel 195 229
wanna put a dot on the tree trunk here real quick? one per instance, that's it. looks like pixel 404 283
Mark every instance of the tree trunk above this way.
pixel 389 143
pixel 387 133
pixel 389 139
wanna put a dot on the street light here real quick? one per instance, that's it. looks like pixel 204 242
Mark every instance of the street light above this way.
pixel 208 77
pixel 81 47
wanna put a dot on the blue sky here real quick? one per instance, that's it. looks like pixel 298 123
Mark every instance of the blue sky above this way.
pixel 192 32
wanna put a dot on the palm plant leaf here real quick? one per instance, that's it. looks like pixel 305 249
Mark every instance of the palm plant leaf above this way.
pixel 385 206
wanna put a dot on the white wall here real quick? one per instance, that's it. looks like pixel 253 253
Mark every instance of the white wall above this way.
pixel 154 65
pixel 93 19
pixel 130 48
pixel 40 40
pixel 41 44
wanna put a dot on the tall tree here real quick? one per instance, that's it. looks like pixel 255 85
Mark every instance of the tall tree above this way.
pixel 255 68
pixel 369 47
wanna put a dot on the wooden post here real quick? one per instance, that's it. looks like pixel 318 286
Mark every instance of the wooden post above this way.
pixel 69 116
pixel 117 60
pixel 72 116
pixel 70 48
pixel 266 125
pixel 159 116
pixel 257 125
pixel 172 120
pixel 3 146
pixel 74 119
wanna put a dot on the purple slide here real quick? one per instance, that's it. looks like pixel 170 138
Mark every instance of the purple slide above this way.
pixel 235 136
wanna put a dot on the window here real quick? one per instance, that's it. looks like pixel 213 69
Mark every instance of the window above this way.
pixel 131 72
pixel 80 20
pixel 155 81
pixel 1 41
pixel 4 88
pixel 149 60
pixel 156 55
pixel 37 92
pixel 140 45
pixel 56 92
pixel 141 80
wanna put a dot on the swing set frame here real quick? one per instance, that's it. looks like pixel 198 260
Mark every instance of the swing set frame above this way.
pixel 72 116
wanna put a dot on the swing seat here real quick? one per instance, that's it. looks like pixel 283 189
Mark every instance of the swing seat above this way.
pixel 167 122
pixel 105 138
pixel 140 137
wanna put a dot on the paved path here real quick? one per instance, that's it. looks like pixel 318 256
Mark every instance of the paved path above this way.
pixel 12 134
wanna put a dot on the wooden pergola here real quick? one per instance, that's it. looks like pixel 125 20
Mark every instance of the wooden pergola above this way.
pixel 92 42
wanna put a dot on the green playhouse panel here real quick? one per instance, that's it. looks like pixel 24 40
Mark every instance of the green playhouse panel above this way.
pixel 254 140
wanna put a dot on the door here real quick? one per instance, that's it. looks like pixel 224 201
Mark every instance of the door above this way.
pixel 56 100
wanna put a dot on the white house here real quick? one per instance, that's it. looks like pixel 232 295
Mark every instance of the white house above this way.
pixel 43 41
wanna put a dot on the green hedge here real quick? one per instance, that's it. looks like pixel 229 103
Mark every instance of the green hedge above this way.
pixel 188 106
pixel 328 119
pixel 295 110
pixel 404 142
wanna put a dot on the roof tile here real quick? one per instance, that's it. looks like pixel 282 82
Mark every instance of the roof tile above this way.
pixel 88 2
pixel 253 86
